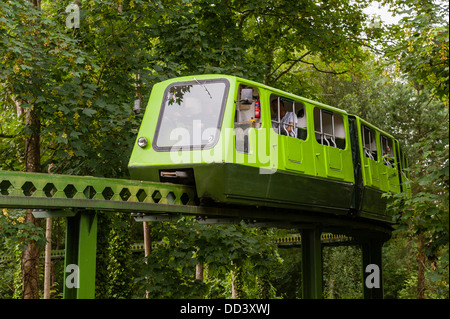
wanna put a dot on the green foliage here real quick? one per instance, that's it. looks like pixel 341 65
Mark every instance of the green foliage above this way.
pixel 425 213
pixel 14 228
pixel 120 270
pixel 115 273
pixel 81 86
pixel 399 259
pixel 10 283
pixel 170 269
pixel 420 121
pixel 286 277
pixel 259 41
pixel 342 271
pixel 419 44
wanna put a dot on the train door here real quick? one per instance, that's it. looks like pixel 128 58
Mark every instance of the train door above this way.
pixel 370 157
pixel 247 127
pixel 389 172
pixel 288 119
pixel 329 131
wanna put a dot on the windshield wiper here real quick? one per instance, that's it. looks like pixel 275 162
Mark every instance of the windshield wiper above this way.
pixel 204 88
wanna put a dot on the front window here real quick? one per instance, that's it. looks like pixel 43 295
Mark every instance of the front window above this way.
pixel 191 115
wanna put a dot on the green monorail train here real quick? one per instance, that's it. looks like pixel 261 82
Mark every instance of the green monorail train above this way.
pixel 243 143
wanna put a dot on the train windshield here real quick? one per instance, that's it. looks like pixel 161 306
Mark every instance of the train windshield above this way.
pixel 191 115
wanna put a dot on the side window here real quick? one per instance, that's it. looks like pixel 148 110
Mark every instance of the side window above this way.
pixel 329 128
pixel 288 117
pixel 369 143
pixel 248 115
pixel 404 163
pixel 387 151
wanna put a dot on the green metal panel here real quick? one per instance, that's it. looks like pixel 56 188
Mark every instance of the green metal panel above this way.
pixel 147 155
pixel 334 165
pixel 81 249
pixel 295 154
pixel 312 276
pixel 87 249
pixel 242 184
pixel 375 173
pixel 37 190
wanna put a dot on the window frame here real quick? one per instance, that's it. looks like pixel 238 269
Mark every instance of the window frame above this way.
pixel 191 147
pixel 373 139
pixel 333 128
pixel 295 126
pixel 388 158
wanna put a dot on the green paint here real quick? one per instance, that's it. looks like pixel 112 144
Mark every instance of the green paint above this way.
pixel 312 277
pixel 81 248
pixel 87 249
pixel 37 190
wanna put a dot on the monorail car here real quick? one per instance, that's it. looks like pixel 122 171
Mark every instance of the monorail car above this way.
pixel 244 143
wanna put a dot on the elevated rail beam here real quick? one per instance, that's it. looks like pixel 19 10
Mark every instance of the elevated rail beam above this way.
pixel 52 191
pixel 63 195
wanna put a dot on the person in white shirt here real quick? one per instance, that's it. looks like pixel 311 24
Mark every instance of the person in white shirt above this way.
pixel 291 129
pixel 285 119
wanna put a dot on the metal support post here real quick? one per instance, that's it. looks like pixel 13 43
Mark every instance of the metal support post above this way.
pixel 80 258
pixel 312 279
pixel 372 268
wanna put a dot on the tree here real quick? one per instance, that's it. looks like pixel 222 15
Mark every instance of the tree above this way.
pixel 419 44
pixel 260 41
pixel 20 78
pixel 72 108
pixel 230 253
pixel 420 52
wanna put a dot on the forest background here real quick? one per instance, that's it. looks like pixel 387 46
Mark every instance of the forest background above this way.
pixel 66 107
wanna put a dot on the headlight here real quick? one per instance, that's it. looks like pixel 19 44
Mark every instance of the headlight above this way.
pixel 142 141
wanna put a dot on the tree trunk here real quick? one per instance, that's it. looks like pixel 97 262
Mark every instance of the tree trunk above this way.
pixel 147 245
pixel 199 272
pixel 237 291
pixel 421 269
pixel 199 275
pixel 263 287
pixel 48 259
pixel 30 256
pixel 147 239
